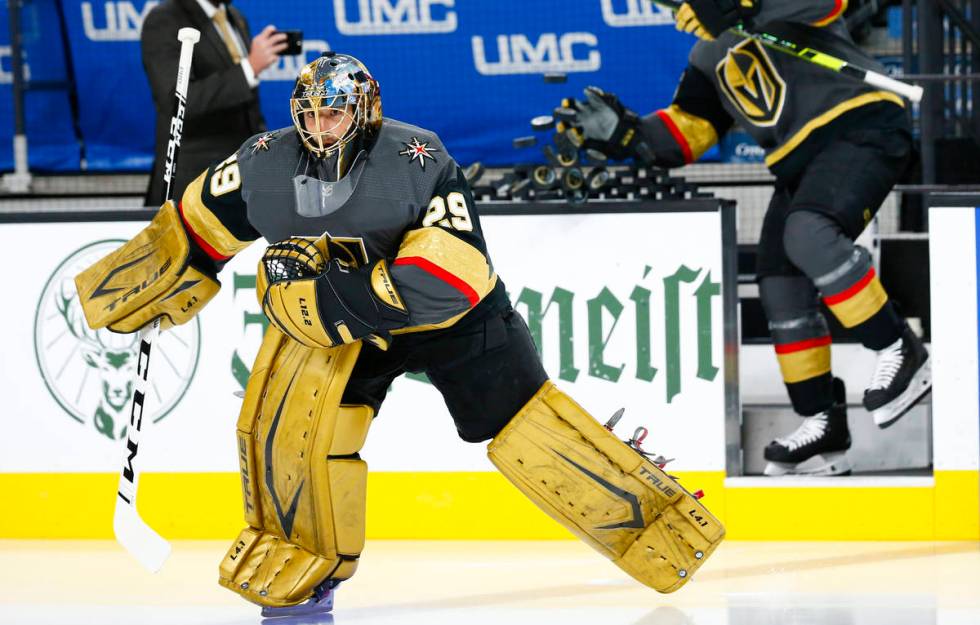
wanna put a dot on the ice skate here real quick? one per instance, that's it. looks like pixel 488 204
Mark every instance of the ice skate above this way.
pixel 818 447
pixel 320 603
pixel 903 376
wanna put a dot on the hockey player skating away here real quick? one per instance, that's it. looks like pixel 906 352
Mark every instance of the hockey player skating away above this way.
pixel 379 266
pixel 836 147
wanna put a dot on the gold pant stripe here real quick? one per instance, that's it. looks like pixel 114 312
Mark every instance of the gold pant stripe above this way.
pixel 804 364
pixel 862 305
pixel 822 120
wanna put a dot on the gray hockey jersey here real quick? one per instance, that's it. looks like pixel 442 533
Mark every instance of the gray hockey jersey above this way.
pixel 403 199
pixel 788 105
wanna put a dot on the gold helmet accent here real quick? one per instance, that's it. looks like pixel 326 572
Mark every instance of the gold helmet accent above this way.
pixel 342 83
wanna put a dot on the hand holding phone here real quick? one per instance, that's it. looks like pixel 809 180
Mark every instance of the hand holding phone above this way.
pixel 294 42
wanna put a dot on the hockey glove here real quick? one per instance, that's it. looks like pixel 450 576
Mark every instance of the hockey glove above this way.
pixel 602 123
pixel 709 18
pixel 324 303
pixel 155 274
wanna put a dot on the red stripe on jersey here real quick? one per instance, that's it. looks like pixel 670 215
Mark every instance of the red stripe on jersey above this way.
pixel 851 291
pixel 839 6
pixel 437 271
pixel 678 136
pixel 204 245
pixel 799 346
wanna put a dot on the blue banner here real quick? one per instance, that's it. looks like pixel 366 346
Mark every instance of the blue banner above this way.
pixel 47 107
pixel 115 110
pixel 471 70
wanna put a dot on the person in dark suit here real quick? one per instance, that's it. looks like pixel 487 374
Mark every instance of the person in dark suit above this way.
pixel 222 98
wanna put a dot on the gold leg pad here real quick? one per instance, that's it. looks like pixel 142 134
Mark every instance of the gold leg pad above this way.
pixel 268 571
pixel 353 423
pixel 604 492
pixel 303 483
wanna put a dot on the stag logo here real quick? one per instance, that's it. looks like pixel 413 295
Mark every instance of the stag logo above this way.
pixel 90 373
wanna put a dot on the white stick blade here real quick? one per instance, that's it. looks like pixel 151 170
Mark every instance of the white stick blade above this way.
pixel 138 538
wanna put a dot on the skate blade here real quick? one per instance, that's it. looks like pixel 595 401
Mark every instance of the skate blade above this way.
pixel 311 609
pixel 320 618
pixel 918 388
pixel 820 465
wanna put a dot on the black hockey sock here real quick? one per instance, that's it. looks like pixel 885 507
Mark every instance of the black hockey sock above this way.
pixel 880 330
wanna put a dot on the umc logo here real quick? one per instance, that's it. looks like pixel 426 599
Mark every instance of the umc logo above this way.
pixel 570 52
pixel 89 373
pixel 620 13
pixel 395 17
pixel 123 21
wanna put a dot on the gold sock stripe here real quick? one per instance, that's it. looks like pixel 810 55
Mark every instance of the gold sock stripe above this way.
pixel 804 364
pixel 859 303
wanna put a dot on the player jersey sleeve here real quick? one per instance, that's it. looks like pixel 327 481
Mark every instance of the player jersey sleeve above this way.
pixel 685 130
pixel 812 12
pixel 215 214
pixel 442 269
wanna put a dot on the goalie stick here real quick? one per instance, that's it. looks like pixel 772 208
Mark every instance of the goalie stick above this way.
pixel 877 79
pixel 132 532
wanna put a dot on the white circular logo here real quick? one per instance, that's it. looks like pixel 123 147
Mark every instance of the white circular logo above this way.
pixel 90 373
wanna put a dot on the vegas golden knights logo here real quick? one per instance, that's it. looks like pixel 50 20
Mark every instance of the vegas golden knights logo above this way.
pixel 749 79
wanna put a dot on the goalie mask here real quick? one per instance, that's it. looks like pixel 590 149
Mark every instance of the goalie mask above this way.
pixel 335 106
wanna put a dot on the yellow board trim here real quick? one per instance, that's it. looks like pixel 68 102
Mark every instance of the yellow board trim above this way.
pixel 484 506
pixel 822 120
pixel 205 224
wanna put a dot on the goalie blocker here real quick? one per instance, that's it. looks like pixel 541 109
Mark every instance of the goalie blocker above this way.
pixel 150 276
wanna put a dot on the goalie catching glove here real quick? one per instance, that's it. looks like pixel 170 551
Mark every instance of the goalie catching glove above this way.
pixel 322 302
pixel 602 123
